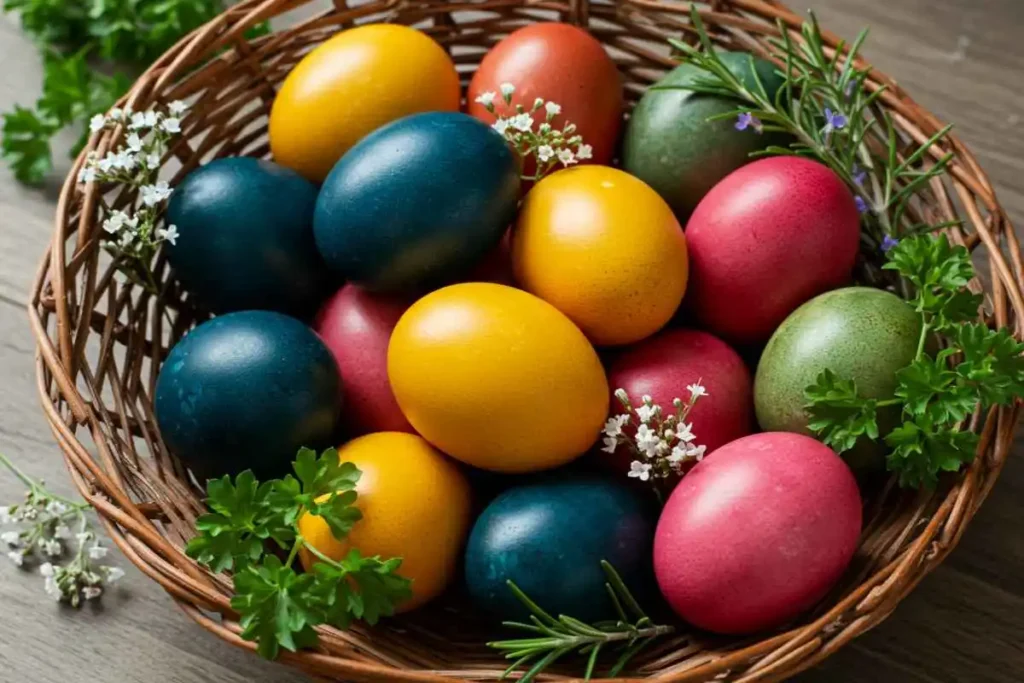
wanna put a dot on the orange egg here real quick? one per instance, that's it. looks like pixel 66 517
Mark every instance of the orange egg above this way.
pixel 497 378
pixel 602 247
pixel 415 505
pixel 353 84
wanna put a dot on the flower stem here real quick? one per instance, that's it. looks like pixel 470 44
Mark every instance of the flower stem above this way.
pixel 38 488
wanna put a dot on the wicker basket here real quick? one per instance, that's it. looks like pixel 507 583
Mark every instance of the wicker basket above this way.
pixel 101 342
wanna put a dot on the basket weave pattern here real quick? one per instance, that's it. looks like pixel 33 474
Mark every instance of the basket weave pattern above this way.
pixel 100 341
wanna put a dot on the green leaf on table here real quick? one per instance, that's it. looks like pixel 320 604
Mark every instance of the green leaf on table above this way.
pixel 52 22
pixel 366 588
pixel 26 143
pixel 837 414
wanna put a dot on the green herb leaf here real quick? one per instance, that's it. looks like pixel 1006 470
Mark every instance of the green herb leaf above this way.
pixel 325 488
pixel 26 143
pixel 838 414
pixel 358 587
pixel 993 363
pixel 940 274
pixel 929 388
pixel 277 607
pixel 921 450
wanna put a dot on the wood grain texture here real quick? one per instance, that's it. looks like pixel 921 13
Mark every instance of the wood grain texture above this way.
pixel 960 58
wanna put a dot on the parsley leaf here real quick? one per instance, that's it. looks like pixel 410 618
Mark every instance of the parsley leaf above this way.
pixel 325 488
pixel 26 143
pixel 277 607
pixel 940 274
pixel 838 414
pixel 921 450
pixel 993 363
pixel 360 587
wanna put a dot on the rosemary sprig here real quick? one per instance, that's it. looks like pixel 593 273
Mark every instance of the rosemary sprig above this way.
pixel 557 637
pixel 826 108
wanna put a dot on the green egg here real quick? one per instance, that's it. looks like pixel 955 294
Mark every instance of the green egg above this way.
pixel 671 145
pixel 859 333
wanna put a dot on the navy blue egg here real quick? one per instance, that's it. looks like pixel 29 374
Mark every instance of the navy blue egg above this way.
pixel 247 390
pixel 417 203
pixel 245 238
pixel 549 537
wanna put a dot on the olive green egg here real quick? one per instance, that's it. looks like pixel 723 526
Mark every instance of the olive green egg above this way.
pixel 671 145
pixel 859 333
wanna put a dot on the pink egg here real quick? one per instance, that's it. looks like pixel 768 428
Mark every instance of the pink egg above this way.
pixel 356 326
pixel 757 534
pixel 664 365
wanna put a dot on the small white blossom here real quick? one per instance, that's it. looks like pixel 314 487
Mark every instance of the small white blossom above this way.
pixel 545 152
pixel 584 152
pixel 97 123
pixel 116 114
pixel 610 444
pixel 114 574
pixel 52 548
pixel 5 515
pixel 62 531
pixel 126 159
pixel 647 441
pixel 685 433
pixel 507 89
pixel 696 452
pixel 16 557
pixel 677 455
pixel 177 108
pixel 501 125
pixel 27 513
pixel 46 569
pixel 171 124
pixel 92 592
pixel 154 194
pixel 114 222
pixel 170 234
pixel 87 175
pixel 640 470
pixel 621 395
pixel 697 390
pixel 553 109
pixel 126 239
pixel 55 507
pixel 152 118
pixel 83 537
pixel 53 589
pixel 566 157
pixel 613 427
pixel 538 103
pixel 486 99
pixel 10 538
pixel 97 552
pixel 646 412
pixel 522 122
pixel 138 121
pixel 152 160
pixel 107 163
pixel 134 142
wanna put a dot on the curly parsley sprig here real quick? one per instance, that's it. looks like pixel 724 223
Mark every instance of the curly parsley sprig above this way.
pixel 277 605
pixel 978 367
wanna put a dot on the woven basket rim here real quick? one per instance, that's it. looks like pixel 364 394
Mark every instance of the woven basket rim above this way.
pixel 70 286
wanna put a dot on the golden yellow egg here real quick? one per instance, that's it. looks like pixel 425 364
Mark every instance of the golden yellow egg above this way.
pixel 353 84
pixel 603 248
pixel 497 378
pixel 415 504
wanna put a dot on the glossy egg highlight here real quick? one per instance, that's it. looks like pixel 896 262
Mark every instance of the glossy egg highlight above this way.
pixel 352 84
pixel 497 378
pixel 418 203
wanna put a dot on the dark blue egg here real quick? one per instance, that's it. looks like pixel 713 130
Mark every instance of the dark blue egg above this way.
pixel 549 537
pixel 417 203
pixel 245 238
pixel 247 390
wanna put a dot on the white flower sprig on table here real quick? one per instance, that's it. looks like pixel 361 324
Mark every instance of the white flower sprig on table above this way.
pixel 133 238
pixel 664 444
pixel 550 146
pixel 47 529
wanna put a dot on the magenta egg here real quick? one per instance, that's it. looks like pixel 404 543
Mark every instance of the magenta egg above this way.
pixel 755 535
pixel 664 365
pixel 356 326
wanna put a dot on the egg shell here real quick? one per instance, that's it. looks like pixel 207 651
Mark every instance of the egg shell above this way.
pixel 417 203
pixel 663 366
pixel 558 63
pixel 247 390
pixel 770 236
pixel 415 505
pixel 859 333
pixel 352 84
pixel 356 326
pixel 497 378
pixel 245 238
pixel 549 537
pixel 603 248
pixel 671 144
pixel 756 534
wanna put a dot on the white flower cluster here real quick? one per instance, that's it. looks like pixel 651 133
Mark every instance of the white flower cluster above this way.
pixel 664 444
pixel 45 536
pixel 550 145
pixel 133 238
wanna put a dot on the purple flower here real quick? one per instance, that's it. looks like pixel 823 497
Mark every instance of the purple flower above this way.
pixel 862 206
pixel 888 242
pixel 860 176
pixel 748 120
pixel 834 120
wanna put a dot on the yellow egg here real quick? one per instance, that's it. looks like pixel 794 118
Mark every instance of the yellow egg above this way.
pixel 415 505
pixel 353 84
pixel 602 247
pixel 497 378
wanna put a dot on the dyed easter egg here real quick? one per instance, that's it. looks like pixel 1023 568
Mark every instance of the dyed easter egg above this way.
pixel 549 537
pixel 417 203
pixel 558 63
pixel 415 505
pixel 497 378
pixel 769 237
pixel 664 366
pixel 859 333
pixel 247 390
pixel 755 535
pixel 603 248
pixel 356 326
pixel 672 146
pixel 245 238
pixel 352 84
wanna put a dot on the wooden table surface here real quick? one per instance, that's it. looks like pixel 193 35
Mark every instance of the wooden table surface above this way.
pixel 963 59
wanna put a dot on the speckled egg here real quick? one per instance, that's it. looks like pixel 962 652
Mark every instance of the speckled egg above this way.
pixel 549 537
pixel 417 203
pixel 245 238
pixel 246 390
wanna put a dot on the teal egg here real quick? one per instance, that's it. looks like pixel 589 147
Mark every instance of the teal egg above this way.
pixel 672 146
pixel 247 390
pixel 245 238
pixel 550 536
pixel 417 203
